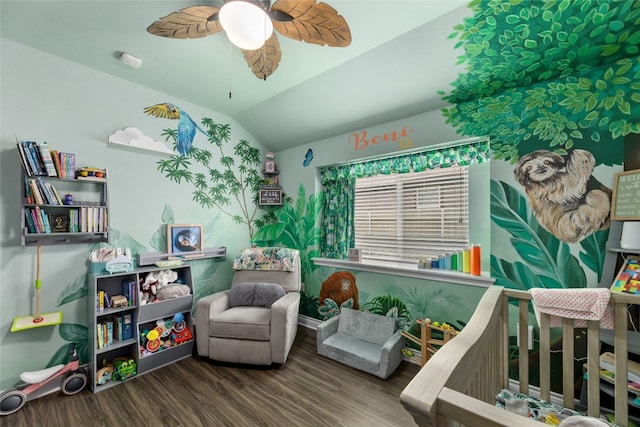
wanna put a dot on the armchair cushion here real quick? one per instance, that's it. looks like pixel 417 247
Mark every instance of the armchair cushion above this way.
pixel 255 294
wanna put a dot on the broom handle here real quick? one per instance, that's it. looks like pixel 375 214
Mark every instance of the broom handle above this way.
pixel 37 316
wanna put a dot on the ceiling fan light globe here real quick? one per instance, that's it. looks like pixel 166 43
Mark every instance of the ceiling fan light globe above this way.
pixel 246 24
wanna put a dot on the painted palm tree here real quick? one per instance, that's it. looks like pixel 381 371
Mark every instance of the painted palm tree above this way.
pixel 186 126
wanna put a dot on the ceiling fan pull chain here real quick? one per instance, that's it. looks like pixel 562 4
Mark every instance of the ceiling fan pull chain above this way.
pixel 230 63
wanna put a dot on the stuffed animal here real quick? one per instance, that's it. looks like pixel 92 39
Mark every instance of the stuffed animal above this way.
pixel 153 282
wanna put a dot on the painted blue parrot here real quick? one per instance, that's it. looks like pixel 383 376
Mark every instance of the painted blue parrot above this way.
pixel 186 126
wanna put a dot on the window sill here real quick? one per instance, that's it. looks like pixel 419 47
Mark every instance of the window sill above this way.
pixel 407 270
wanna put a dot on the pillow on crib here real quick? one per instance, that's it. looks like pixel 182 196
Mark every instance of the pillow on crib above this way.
pixel 255 294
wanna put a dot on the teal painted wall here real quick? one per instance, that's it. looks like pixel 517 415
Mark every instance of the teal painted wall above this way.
pixel 75 109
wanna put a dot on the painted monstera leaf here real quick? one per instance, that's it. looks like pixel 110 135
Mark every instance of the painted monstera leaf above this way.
pixel 548 261
pixel 330 308
pixel 72 333
pixel 296 229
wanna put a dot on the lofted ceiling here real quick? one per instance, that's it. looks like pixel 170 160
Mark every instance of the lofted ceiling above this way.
pixel 398 59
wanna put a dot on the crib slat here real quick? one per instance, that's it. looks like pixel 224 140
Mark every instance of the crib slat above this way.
pixel 593 367
pixel 523 349
pixel 567 362
pixel 545 359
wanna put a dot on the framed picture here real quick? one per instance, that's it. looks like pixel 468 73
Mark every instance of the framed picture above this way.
pixel 625 203
pixel 270 196
pixel 184 240
pixel 270 166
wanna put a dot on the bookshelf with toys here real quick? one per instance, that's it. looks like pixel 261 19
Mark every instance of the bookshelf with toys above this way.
pixel 133 333
pixel 60 204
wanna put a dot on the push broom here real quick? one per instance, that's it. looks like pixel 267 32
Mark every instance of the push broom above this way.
pixel 47 319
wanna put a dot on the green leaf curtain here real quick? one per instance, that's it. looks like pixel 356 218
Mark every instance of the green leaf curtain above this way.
pixel 339 181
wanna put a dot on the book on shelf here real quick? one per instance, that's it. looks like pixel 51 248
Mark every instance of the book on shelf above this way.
pixel 127 326
pixel 47 160
pixel 35 150
pixel 28 160
pixel 28 195
pixel 37 196
pixel 23 158
pixel 45 220
pixel 38 214
pixel 99 336
pixel 49 198
pixel 29 221
pixel 55 156
pixel 36 223
pixel 117 328
pixel 55 193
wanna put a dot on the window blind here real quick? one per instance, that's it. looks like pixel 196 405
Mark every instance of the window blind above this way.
pixel 406 217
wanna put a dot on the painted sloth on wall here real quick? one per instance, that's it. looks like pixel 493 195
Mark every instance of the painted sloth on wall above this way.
pixel 565 199
pixel 339 287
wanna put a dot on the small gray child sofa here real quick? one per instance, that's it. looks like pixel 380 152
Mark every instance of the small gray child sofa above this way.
pixel 363 340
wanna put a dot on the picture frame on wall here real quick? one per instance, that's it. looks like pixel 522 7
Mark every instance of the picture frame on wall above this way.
pixel 185 240
pixel 270 166
pixel 270 196
pixel 625 202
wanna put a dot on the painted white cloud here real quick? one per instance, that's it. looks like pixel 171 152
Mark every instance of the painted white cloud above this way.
pixel 134 137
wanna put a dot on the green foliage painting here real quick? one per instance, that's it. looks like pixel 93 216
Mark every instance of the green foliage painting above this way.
pixel 238 178
pixel 295 227
pixel 553 74
pixel 547 262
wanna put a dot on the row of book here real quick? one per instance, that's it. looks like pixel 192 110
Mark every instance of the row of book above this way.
pixel 76 220
pixel 40 192
pixel 39 160
pixel 115 328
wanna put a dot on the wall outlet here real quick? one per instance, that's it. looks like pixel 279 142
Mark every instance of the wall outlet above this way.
pixel 529 338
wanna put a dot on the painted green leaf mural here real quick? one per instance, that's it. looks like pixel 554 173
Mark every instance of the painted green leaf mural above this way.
pixel 295 228
pixel 236 181
pixel 548 261
pixel 548 74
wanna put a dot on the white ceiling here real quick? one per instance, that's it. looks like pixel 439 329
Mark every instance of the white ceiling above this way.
pixel 399 58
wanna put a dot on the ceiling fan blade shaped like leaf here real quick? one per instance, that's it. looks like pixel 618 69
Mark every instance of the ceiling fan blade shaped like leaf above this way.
pixel 311 22
pixel 188 23
pixel 264 61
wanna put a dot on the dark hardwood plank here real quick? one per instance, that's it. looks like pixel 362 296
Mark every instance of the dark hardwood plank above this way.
pixel 309 390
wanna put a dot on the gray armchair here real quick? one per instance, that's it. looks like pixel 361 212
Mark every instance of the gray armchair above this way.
pixel 255 321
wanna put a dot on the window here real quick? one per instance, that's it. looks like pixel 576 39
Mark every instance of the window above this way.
pixel 405 217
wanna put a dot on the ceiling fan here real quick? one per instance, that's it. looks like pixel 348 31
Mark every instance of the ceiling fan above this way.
pixel 302 20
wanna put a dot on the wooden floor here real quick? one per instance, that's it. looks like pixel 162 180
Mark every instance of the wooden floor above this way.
pixel 309 390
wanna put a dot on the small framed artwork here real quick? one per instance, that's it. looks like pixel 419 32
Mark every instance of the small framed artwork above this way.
pixel 625 203
pixel 270 166
pixel 184 240
pixel 355 254
pixel 270 197
pixel 59 223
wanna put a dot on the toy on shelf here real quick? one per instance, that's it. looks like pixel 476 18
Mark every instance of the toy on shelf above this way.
pixel 427 342
pixel 164 334
pixel 123 368
pixel 74 380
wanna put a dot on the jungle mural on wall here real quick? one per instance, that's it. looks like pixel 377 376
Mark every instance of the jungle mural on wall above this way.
pixel 554 85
